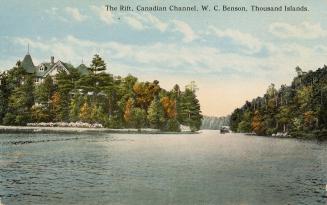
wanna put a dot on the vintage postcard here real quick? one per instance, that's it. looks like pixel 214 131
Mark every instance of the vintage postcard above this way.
pixel 163 102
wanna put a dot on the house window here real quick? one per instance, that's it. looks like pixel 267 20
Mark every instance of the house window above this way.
pixel 42 68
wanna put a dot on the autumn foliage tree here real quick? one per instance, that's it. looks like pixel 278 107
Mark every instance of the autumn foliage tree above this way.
pixel 257 123
pixel 96 97
pixel 297 110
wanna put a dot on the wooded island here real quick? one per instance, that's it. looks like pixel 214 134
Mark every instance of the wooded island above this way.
pixel 59 92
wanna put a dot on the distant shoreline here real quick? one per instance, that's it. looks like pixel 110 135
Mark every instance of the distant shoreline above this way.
pixel 80 130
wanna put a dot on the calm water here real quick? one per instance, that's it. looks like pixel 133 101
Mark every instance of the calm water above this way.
pixel 206 168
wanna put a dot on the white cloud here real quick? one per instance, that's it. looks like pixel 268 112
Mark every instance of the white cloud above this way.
pixel 104 15
pixel 305 30
pixel 163 57
pixel 247 40
pixel 187 59
pixel 53 13
pixel 186 30
pixel 75 14
pixel 156 22
pixel 147 21
pixel 134 23
pixel 144 21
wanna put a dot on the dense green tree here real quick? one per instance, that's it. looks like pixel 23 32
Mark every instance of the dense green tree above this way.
pixel 3 97
pixel 190 113
pixel 245 124
pixel 138 118
pixel 96 97
pixel 75 105
pixel 41 111
pixel 65 84
pixel 284 117
pixel 156 114
pixel 235 119
pixel 97 64
pixel 299 109
pixel 20 103
pixel 172 125
pixel 10 80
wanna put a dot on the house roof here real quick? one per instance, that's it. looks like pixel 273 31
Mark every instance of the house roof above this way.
pixel 29 67
pixel 53 66
pixel 28 64
pixel 46 67
pixel 67 65
pixel 83 69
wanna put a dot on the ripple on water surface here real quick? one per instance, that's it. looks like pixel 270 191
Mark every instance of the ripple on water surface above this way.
pixel 206 168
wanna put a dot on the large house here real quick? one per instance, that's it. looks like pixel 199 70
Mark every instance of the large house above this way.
pixel 49 68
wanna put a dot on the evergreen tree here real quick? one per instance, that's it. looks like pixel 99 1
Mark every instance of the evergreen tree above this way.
pixel 156 115
pixel 4 94
pixel 41 111
pixel 172 125
pixel 65 86
pixel 190 113
pixel 20 103
pixel 96 97
pixel 138 118
pixel 97 64
pixel 75 106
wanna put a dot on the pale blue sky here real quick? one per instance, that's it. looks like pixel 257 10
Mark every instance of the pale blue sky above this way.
pixel 232 56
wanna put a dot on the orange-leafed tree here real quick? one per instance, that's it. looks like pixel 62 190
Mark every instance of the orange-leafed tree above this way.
pixel 128 110
pixel 258 123
pixel 310 119
pixel 85 112
pixel 55 105
pixel 169 106
pixel 145 93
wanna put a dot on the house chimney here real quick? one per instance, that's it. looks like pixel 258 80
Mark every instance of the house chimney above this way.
pixel 52 59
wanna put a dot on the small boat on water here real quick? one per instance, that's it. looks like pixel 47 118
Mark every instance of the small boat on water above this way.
pixel 224 129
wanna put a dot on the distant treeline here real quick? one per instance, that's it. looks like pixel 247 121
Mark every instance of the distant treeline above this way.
pixel 214 123
pixel 299 109
pixel 96 97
